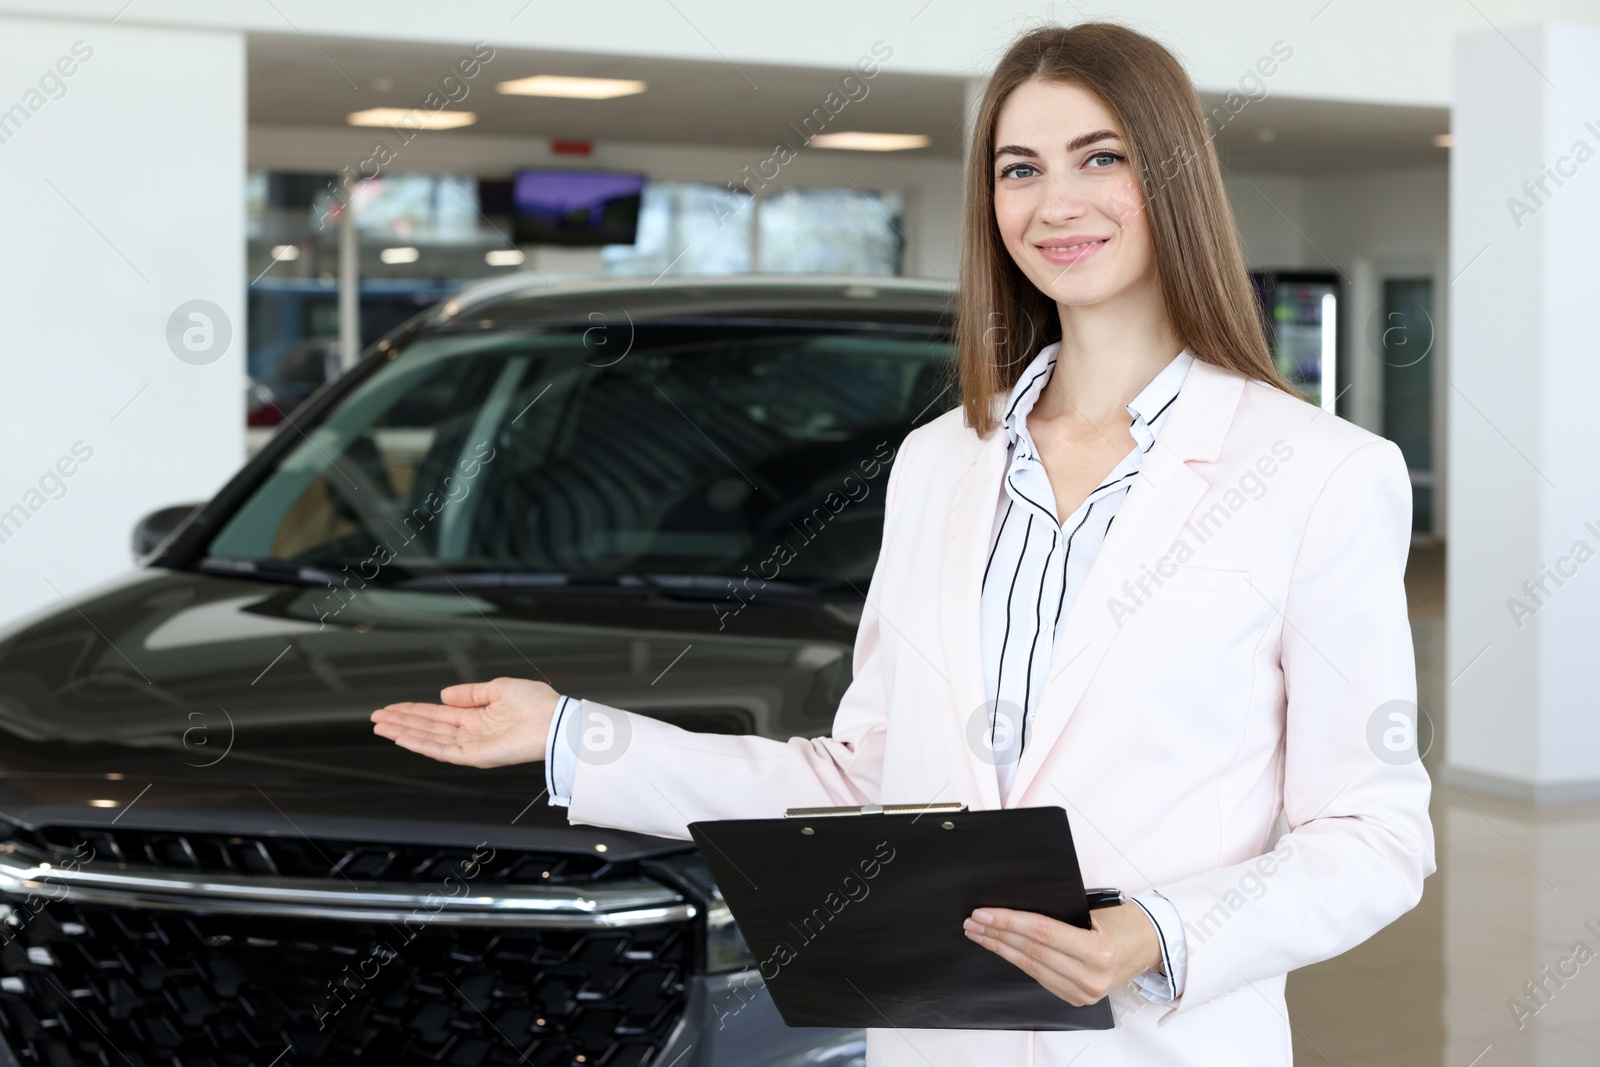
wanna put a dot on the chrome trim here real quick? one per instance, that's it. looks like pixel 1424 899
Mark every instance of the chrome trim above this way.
pixel 622 903
pixel 874 809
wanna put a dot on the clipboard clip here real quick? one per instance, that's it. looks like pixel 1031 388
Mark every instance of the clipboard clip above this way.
pixel 1104 898
pixel 941 808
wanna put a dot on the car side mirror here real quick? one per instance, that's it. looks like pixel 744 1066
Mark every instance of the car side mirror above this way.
pixel 156 527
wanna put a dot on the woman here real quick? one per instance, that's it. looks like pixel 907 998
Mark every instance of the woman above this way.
pixel 1226 663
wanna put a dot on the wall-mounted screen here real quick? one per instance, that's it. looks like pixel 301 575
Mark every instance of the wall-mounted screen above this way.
pixel 576 207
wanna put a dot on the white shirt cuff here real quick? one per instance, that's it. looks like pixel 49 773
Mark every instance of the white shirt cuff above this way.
pixel 560 755
pixel 1164 985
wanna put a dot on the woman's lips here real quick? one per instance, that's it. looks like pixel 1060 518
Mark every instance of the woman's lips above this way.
pixel 1072 253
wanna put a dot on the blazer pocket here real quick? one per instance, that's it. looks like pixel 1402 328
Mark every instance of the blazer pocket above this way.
pixel 1210 579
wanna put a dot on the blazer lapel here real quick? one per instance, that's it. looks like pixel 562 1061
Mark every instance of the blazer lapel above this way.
pixel 1159 501
pixel 969 524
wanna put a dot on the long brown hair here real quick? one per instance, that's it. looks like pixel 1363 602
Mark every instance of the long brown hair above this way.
pixel 1003 319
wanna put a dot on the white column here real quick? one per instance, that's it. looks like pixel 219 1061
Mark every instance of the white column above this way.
pixel 349 287
pixel 122 173
pixel 1523 629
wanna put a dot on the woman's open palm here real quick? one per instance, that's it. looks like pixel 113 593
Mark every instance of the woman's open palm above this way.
pixel 480 724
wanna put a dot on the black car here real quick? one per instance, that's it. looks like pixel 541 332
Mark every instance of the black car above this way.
pixel 667 497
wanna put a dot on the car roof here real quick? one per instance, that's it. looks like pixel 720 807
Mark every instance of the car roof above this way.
pixel 526 297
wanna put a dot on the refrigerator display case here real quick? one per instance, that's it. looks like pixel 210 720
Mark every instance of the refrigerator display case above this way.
pixel 1301 311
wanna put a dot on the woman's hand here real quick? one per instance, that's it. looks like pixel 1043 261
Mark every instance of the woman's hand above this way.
pixel 480 724
pixel 1079 966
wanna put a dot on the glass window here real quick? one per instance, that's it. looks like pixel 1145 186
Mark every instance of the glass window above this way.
pixel 1405 341
pixel 421 238
pixel 426 207
pixel 831 231
pixel 686 228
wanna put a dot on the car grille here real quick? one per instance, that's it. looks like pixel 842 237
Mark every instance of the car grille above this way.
pixel 91 982
pixel 298 857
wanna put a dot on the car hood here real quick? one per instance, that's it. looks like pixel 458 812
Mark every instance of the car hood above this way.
pixel 171 699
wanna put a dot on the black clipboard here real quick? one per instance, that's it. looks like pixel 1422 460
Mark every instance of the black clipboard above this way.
pixel 854 914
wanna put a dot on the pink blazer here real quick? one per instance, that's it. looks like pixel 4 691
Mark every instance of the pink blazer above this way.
pixel 1220 722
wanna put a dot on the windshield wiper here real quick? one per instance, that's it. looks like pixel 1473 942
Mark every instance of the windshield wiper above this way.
pixel 669 586
pixel 722 586
pixel 271 569
pixel 530 580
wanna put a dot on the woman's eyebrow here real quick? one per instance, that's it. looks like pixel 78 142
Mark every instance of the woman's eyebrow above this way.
pixel 1087 139
pixel 1081 141
pixel 1016 149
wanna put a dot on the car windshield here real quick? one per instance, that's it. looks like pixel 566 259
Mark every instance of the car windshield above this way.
pixel 702 452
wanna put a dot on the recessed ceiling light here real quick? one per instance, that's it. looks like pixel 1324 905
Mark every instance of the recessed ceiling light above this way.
pixel 869 142
pixel 504 257
pixel 573 88
pixel 283 253
pixel 1443 140
pixel 398 255
pixel 414 118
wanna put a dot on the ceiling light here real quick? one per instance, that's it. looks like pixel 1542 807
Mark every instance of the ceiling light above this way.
pixel 1443 140
pixel 414 118
pixel 283 253
pixel 573 88
pixel 1266 135
pixel 398 255
pixel 504 257
pixel 869 142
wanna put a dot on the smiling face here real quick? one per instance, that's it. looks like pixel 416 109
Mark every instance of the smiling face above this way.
pixel 1066 199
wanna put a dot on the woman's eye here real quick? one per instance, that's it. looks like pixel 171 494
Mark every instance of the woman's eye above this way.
pixel 1109 158
pixel 1012 170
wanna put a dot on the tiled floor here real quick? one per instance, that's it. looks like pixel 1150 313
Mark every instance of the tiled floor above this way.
pixel 1516 900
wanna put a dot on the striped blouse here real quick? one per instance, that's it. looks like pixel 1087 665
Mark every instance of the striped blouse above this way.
pixel 1036 567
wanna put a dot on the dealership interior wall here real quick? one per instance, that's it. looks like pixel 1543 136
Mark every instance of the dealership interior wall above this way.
pixel 125 194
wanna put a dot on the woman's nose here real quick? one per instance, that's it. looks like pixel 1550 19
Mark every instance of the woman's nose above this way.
pixel 1063 201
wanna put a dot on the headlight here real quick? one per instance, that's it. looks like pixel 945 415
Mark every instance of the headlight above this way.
pixel 725 947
